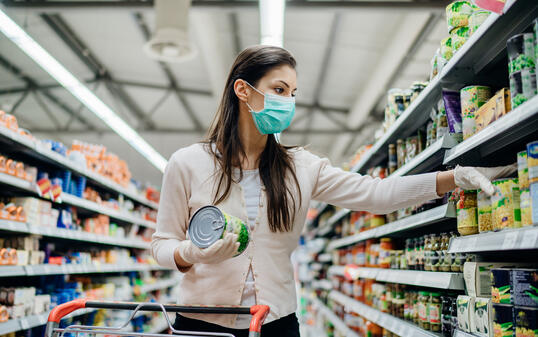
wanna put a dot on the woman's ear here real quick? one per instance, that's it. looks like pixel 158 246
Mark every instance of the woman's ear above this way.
pixel 241 90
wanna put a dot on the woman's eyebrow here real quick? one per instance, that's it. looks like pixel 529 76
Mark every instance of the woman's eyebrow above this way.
pixel 286 84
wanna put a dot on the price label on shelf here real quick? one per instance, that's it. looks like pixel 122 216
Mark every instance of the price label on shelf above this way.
pixel 25 324
pixel 510 240
pixel 529 239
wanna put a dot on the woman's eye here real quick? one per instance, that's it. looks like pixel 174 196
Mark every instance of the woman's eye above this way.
pixel 279 90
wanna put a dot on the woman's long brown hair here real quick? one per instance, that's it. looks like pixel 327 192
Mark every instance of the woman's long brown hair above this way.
pixel 275 162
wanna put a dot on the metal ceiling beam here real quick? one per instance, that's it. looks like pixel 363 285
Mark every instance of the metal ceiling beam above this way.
pixel 323 71
pixel 192 131
pixel 173 83
pixel 141 5
pixel 83 52
pixel 51 97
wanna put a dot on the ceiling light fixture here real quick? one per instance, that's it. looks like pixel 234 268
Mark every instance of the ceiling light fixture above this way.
pixel 46 61
pixel 272 22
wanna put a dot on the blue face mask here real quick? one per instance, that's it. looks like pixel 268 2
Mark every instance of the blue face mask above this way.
pixel 276 115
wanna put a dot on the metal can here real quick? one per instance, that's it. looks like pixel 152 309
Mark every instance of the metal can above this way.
pixel 476 20
pixel 505 204
pixel 446 49
pixel 521 52
pixel 209 224
pixel 522 86
pixel 532 161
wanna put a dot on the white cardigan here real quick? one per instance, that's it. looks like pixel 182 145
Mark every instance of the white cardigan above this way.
pixel 189 183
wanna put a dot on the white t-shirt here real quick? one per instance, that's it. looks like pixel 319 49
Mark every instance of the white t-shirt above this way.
pixel 251 184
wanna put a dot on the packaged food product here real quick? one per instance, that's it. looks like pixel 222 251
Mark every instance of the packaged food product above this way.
pixel 458 13
pixel 522 86
pixel 532 161
pixel 485 223
pixel 459 36
pixel 209 224
pixel 522 170
pixel 472 98
pixel 435 65
pixel 434 312
pixel 521 53
pixel 535 26
pixel 526 321
pixel 452 103
pixel 468 124
pixel 464 304
pixel 505 204
pixel 497 106
pixel 400 152
pixel 445 51
pixel 533 196
pixel 525 205
pixel 467 222
pixel 476 19
pixel 481 317
pixel 500 285
pixel 503 320
pixel 525 287
pixel 423 314
pixel 477 276
pixel 411 148
pixel 393 159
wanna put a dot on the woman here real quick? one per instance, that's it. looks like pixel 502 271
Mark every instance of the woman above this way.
pixel 243 170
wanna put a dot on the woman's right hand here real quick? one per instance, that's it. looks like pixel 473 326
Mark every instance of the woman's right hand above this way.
pixel 221 250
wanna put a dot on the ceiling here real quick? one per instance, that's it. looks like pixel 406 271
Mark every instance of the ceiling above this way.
pixel 349 53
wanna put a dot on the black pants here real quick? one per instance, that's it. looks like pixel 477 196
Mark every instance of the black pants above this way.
pixel 284 327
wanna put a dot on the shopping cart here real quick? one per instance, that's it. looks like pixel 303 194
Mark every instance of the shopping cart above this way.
pixel 258 312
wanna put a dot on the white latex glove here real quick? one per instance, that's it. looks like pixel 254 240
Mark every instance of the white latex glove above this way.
pixel 220 251
pixel 473 178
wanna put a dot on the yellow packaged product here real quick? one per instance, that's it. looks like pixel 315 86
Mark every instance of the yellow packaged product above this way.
pixel 485 223
pixel 522 170
pixel 505 204
pixel 532 161
pixel 467 222
pixel 526 210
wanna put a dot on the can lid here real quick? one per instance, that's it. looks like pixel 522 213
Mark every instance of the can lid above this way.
pixel 206 226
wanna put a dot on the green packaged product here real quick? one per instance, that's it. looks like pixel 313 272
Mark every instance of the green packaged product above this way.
pixel 459 36
pixel 521 54
pixel 476 20
pixel 445 50
pixel 458 13
pixel 522 86
pixel 501 285
pixel 503 320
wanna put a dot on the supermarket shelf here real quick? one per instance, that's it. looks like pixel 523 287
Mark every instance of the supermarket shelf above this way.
pixel 508 239
pixel 33 321
pixel 428 159
pixel 78 202
pixel 519 124
pixel 483 49
pixel 68 234
pixel 384 320
pixel 321 207
pixel 439 280
pixel 328 227
pixel 322 284
pixel 331 317
pixel 35 150
pixel 50 269
pixel 163 284
pixel 459 333
pixel 422 219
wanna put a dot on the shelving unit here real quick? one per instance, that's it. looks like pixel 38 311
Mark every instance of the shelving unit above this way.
pixel 384 320
pixel 327 313
pixel 69 269
pixel 67 234
pixel 40 152
pixel 68 199
pixel 439 280
pixel 505 240
pixel 412 222
pixel 162 284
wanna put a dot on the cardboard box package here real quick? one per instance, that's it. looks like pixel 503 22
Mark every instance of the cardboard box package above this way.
pixel 497 106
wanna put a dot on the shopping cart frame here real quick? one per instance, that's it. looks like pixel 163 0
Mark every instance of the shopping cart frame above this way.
pixel 259 314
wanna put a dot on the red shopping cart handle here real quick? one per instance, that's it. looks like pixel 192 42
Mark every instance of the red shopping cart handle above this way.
pixel 259 312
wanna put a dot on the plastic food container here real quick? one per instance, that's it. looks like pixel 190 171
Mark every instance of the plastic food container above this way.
pixel 209 224
pixel 485 223
pixel 522 86
pixel 522 170
pixel 532 161
pixel 505 204
pixel 445 50
pixel 521 54
pixel 476 20
pixel 459 36
pixel 458 13
pixel 467 222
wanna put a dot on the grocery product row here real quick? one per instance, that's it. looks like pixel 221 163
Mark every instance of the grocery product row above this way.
pixel 27 307
pixel 82 164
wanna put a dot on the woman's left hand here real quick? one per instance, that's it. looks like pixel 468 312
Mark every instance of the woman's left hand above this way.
pixel 473 178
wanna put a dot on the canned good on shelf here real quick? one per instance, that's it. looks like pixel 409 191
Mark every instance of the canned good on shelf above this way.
pixel 476 19
pixel 458 13
pixel 521 54
pixel 459 36
pixel 522 86
pixel 472 98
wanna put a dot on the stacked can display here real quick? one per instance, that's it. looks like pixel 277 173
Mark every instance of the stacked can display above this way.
pixel 522 67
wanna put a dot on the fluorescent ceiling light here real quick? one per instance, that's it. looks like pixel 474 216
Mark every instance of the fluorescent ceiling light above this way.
pixel 16 34
pixel 272 22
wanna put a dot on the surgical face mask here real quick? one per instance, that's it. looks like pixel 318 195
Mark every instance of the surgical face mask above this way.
pixel 276 115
